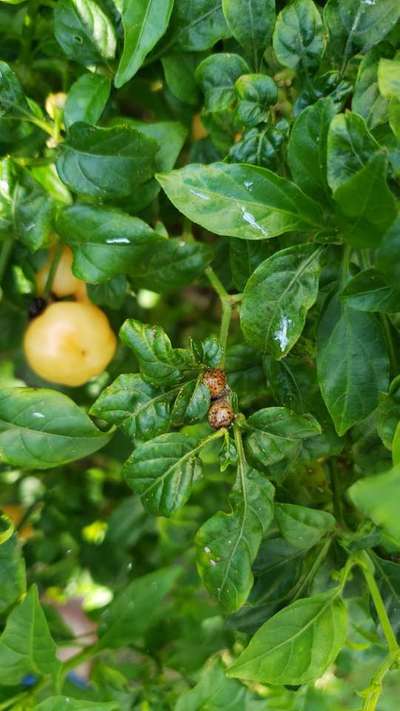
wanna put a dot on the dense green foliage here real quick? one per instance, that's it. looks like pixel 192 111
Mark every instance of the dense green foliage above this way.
pixel 226 174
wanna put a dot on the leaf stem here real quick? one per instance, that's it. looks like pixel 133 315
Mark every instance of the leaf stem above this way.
pixel 374 691
pixel 367 567
pixel 314 568
pixel 227 301
pixel 53 269
pixel 4 255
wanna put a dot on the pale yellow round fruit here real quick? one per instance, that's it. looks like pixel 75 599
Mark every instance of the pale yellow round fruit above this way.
pixel 65 283
pixel 69 343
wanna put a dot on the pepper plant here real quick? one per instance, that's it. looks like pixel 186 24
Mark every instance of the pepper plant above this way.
pixel 217 182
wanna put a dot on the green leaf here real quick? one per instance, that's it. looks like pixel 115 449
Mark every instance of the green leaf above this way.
pixel 66 703
pixel 299 36
pixel 244 257
pixel 170 263
pixel 139 409
pixel 240 200
pixel 298 644
pixel 41 429
pixel 159 362
pixel 377 497
pixel 356 26
pixel 387 255
pixel 251 23
pixel 197 26
pixel 353 365
pixel 170 137
pixel 367 201
pixel 112 293
pixel 350 146
pixel 217 75
pixel 33 212
pixel 84 32
pixel 26 646
pixel 367 100
pixel 13 103
pixel 86 99
pixel 136 608
pixel 144 23
pixel 389 78
pixel 191 404
pixel 275 433
pixel 277 298
pixel 214 691
pixel 302 527
pixel 307 148
pixel 106 163
pixel 12 568
pixel 162 471
pixel 368 291
pixel 105 242
pixel 256 94
pixel 179 74
pixel 227 543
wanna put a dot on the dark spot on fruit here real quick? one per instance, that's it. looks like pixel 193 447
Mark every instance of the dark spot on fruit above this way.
pixel 215 380
pixel 220 414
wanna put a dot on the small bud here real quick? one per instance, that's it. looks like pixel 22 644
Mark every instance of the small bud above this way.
pixel 220 414
pixel 215 380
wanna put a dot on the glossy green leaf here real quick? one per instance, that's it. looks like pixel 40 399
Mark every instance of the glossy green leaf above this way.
pixel 368 291
pixel 144 23
pixel 26 645
pixel 105 242
pixel 191 404
pixel 389 78
pixel 215 691
pixel 84 31
pixel 299 35
pixel 179 71
pixel 256 94
pixel 135 406
pixel 307 148
pixel 12 568
pixel 66 703
pixel 41 428
pixel 367 100
pixel 217 75
pixel 387 257
pixel 275 433
pixel 87 99
pixel 350 146
pixel 303 527
pixel 33 212
pixel 197 26
pixel 137 607
pixel 163 470
pixel 111 293
pixel 251 23
pixel 159 362
pixel 367 201
pixel 356 25
pixel 106 163
pixel 13 103
pixel 350 382
pixel 244 257
pixel 298 644
pixel 227 543
pixel 240 200
pixel 377 497
pixel 277 298
pixel 170 263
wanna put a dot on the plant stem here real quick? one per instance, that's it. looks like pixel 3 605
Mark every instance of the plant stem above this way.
pixel 227 301
pixel 4 255
pixel 367 568
pixel 374 691
pixel 345 265
pixel 314 568
pixel 82 656
pixel 53 269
